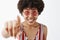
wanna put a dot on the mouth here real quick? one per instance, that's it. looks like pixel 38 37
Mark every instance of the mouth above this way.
pixel 31 20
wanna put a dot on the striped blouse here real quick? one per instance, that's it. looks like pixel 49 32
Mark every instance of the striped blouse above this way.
pixel 39 35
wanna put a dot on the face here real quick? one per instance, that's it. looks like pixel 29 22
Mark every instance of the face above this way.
pixel 30 15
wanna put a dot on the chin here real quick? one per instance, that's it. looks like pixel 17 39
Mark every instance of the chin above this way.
pixel 30 23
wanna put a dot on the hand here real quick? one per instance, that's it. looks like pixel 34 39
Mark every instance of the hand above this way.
pixel 13 27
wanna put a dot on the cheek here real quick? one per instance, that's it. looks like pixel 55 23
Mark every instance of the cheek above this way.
pixel 26 13
pixel 25 17
pixel 35 17
pixel 35 13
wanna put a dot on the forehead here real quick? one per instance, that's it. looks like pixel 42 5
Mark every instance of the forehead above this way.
pixel 30 9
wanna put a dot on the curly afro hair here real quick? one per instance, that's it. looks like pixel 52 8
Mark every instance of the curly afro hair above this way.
pixel 39 4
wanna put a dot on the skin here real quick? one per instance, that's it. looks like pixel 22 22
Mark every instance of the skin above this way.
pixel 44 32
pixel 12 28
pixel 34 23
pixel 30 22
pixel 30 15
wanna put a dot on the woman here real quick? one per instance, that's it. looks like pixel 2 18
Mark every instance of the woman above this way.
pixel 29 29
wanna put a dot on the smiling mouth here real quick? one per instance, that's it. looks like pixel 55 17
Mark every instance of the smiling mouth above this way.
pixel 31 20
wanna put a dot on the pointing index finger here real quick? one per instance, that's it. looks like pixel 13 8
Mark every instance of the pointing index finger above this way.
pixel 18 19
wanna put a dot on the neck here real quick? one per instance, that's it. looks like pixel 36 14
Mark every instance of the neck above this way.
pixel 33 25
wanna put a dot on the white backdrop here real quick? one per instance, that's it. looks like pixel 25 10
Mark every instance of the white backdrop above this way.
pixel 50 16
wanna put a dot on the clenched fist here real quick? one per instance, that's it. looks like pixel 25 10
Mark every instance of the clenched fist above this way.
pixel 12 28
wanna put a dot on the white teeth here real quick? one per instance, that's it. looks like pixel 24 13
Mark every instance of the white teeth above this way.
pixel 31 20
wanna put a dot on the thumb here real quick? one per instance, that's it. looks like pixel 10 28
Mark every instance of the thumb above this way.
pixel 18 19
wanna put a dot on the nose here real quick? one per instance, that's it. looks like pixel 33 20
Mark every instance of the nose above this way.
pixel 31 16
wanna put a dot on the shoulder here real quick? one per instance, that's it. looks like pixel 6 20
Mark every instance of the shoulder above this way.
pixel 44 31
pixel 44 27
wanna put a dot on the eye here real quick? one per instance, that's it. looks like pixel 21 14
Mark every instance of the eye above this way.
pixel 34 13
pixel 26 13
